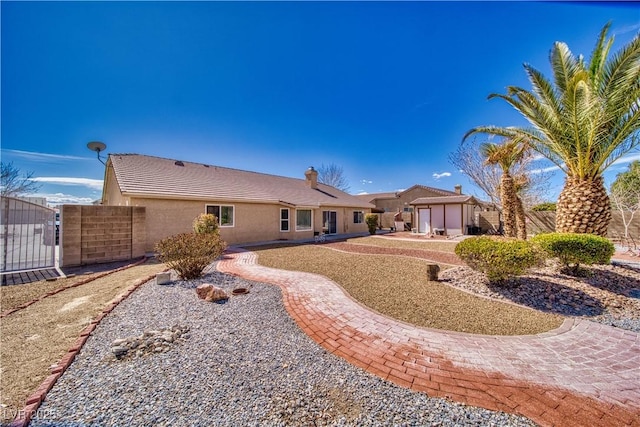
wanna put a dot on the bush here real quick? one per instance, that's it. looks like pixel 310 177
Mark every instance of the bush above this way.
pixel 573 249
pixel 372 222
pixel 190 253
pixel 543 207
pixel 497 257
pixel 205 223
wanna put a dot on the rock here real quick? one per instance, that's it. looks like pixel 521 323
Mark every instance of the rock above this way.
pixel 153 341
pixel 163 278
pixel 209 292
pixel 119 351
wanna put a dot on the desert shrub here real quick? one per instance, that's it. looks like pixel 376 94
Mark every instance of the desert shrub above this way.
pixel 497 257
pixel 205 223
pixel 372 222
pixel 190 253
pixel 544 207
pixel 573 249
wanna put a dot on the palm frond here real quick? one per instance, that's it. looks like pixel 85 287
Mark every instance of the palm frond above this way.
pixel 599 55
pixel 564 65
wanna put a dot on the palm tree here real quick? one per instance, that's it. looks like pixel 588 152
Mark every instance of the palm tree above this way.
pixel 583 122
pixel 520 184
pixel 506 155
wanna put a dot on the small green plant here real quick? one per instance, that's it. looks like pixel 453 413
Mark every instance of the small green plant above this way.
pixel 372 222
pixel 190 253
pixel 205 223
pixel 544 207
pixel 573 249
pixel 498 257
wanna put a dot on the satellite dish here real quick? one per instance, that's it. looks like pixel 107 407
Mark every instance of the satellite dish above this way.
pixel 96 146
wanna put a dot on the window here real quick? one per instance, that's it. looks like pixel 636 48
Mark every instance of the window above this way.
pixel 223 213
pixel 358 217
pixel 284 219
pixel 408 209
pixel 303 219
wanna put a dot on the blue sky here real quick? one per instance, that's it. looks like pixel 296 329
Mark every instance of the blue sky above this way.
pixel 384 90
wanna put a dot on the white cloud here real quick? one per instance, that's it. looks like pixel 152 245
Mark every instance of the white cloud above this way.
pixel 94 184
pixel 64 199
pixel 543 170
pixel 628 29
pixel 437 176
pixel 43 157
pixel 362 193
pixel 627 159
pixel 365 181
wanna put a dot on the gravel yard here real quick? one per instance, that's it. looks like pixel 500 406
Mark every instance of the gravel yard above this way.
pixel 244 362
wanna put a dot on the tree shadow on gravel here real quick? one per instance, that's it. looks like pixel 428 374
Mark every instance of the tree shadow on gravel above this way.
pixel 607 280
pixel 550 297
pixel 614 282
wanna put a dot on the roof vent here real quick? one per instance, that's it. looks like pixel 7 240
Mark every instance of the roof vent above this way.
pixel 179 163
pixel 206 166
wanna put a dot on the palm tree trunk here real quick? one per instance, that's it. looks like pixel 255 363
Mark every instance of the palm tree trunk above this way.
pixel 583 207
pixel 521 219
pixel 508 197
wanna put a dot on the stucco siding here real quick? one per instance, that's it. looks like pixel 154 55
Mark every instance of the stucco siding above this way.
pixel 111 193
pixel 252 222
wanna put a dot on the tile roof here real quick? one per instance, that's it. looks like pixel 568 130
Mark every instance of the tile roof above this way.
pixel 457 198
pixel 397 194
pixel 373 196
pixel 435 190
pixel 147 176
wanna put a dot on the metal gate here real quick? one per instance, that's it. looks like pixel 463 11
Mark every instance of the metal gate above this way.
pixel 27 236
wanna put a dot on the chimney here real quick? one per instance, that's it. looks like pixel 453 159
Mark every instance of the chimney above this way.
pixel 311 176
pixel 458 189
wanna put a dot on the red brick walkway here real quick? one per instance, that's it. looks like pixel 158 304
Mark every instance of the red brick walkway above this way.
pixel 582 374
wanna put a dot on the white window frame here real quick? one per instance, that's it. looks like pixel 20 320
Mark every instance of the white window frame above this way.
pixel 310 225
pixel 288 220
pixel 220 206
pixel 361 217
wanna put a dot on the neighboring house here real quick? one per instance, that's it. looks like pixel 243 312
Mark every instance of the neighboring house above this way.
pixel 250 206
pixel 400 201
pixel 429 210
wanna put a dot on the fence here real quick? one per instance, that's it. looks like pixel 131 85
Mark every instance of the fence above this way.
pixel 28 236
pixel 97 234
pixel 545 222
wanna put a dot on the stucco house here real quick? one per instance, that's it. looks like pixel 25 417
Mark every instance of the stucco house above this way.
pixel 429 210
pixel 250 206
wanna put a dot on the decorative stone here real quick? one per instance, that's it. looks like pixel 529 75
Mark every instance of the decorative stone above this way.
pixel 150 342
pixel 119 351
pixel 163 278
pixel 209 292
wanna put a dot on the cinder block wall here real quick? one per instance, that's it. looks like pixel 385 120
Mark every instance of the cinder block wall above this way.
pixel 98 234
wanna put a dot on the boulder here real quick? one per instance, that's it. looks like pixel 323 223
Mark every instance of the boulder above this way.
pixel 209 292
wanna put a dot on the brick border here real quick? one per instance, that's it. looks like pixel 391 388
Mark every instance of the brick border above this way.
pixel 37 397
pixel 74 285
